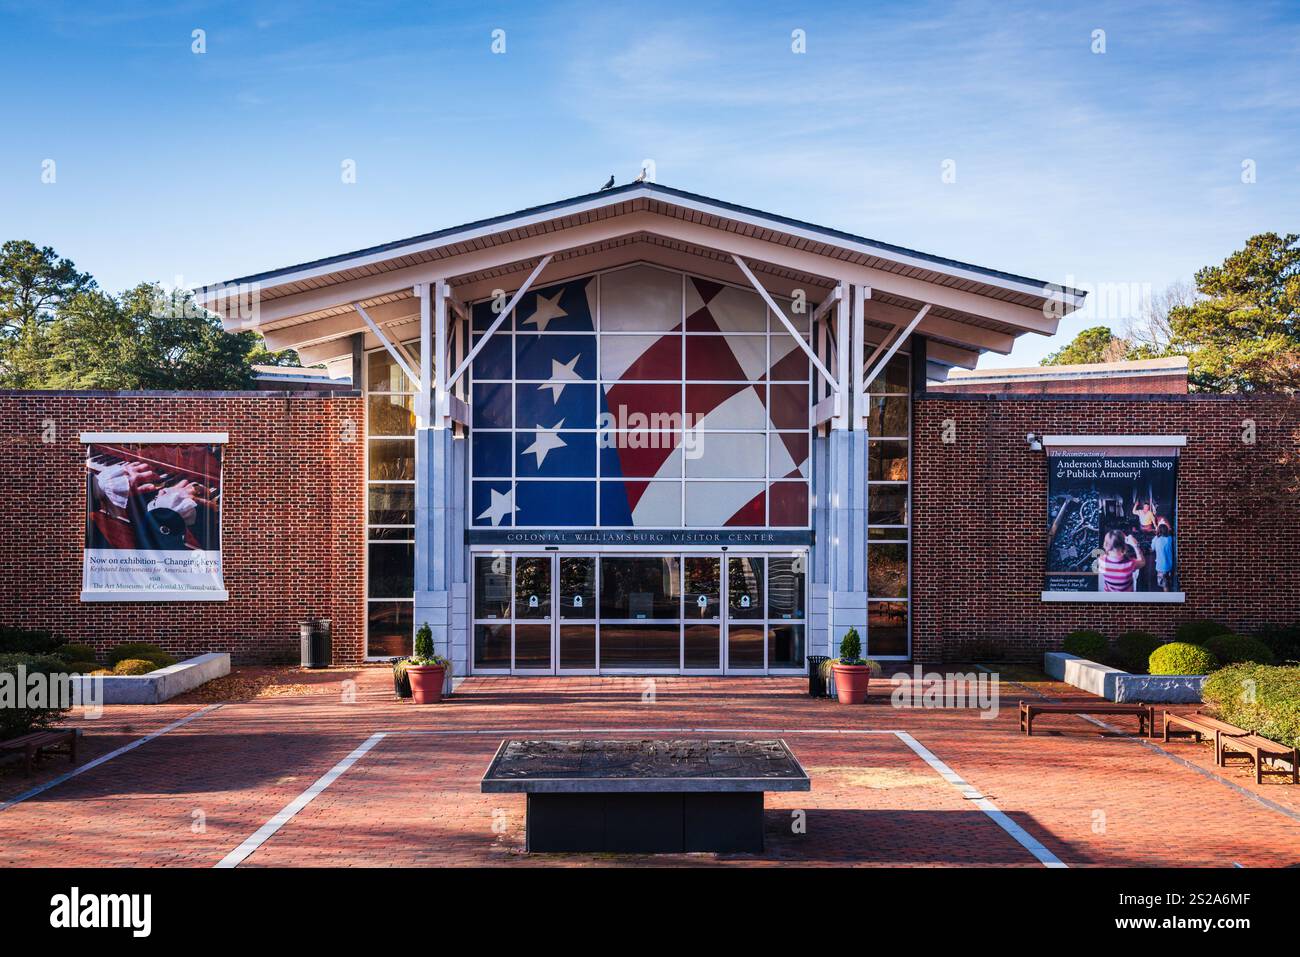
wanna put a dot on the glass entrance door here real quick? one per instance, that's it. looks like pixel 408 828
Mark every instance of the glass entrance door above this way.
pixel 691 613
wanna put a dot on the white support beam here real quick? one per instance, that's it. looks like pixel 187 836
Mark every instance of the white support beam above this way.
pixel 825 305
pixel 861 295
pixel 780 314
pixel 387 344
pixel 510 307
pixel 889 354
pixel 441 360
pixel 843 308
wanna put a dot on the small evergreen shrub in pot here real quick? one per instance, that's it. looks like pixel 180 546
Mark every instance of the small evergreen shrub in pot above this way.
pixel 1133 650
pixel 425 670
pixel 1195 632
pixel 1180 658
pixel 1086 643
pixel 852 672
pixel 1235 649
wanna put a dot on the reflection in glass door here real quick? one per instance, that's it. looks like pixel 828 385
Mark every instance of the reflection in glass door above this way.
pixel 576 596
pixel 533 614
pixel 746 636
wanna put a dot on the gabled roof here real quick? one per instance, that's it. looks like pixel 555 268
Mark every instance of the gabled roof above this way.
pixel 497 224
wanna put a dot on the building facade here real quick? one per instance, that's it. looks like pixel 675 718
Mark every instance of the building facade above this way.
pixel 641 430
pixel 644 431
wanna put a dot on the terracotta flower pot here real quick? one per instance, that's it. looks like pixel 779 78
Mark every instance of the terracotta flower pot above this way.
pixel 852 682
pixel 426 682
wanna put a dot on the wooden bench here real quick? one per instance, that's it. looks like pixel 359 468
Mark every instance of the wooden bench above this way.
pixel 1255 748
pixel 1030 710
pixel 37 741
pixel 1201 725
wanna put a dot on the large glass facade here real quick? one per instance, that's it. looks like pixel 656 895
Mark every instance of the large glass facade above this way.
pixel 640 398
pixel 889 429
pixel 390 505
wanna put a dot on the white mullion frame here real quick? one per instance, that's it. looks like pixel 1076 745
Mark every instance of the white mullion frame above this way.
pixel 906 539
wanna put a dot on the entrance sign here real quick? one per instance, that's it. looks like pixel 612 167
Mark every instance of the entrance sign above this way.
pixel 153 517
pixel 1112 518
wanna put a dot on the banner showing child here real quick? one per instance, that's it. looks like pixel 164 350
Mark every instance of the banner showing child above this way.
pixel 1112 524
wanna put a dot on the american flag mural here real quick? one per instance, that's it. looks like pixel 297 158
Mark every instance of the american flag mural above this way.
pixel 639 398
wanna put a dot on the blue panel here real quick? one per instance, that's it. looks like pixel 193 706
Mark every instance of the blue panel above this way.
pixel 484 316
pixel 537 406
pixel 614 509
pixel 494 361
pixel 544 357
pixel 572 301
pixel 556 504
pixel 576 459
pixel 491 455
pixel 491 405
pixel 481 500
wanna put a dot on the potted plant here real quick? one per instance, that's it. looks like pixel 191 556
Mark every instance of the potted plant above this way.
pixel 401 681
pixel 425 670
pixel 852 673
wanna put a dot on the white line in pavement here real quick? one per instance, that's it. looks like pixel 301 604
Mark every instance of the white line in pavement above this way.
pixel 103 758
pixel 263 833
pixel 1023 837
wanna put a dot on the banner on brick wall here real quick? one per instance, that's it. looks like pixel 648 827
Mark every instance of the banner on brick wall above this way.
pixel 153 517
pixel 1112 518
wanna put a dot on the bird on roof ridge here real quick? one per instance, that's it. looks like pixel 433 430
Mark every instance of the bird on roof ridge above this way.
pixel 609 183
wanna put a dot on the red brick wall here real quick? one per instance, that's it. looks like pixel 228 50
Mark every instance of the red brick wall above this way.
pixel 980 526
pixel 292 520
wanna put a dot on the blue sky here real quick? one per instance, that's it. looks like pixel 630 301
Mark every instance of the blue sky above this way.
pixel 1115 167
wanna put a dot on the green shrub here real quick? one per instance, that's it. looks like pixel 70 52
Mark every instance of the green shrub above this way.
pixel 82 667
pixel 16 721
pixel 1180 658
pixel 1235 649
pixel 1196 631
pixel 1282 640
pixel 424 642
pixel 27 641
pixel 1261 698
pixel 142 651
pixel 75 652
pixel 1133 649
pixel 851 648
pixel 1086 643
pixel 134 666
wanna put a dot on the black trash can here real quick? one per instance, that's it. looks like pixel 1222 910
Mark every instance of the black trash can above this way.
pixel 317 639
pixel 816 683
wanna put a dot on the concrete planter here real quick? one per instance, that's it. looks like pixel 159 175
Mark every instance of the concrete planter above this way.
pixel 1120 686
pixel 157 686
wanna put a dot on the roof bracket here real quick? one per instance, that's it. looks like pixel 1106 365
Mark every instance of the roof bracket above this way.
pixel 393 350
pixel 510 307
pixel 780 314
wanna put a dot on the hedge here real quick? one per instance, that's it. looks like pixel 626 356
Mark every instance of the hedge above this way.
pixel 1235 649
pixel 1196 631
pixel 140 650
pixel 1283 641
pixel 134 666
pixel 1180 658
pixel 1133 649
pixel 1264 699
pixel 75 652
pixel 1086 643
pixel 27 641
pixel 15 721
